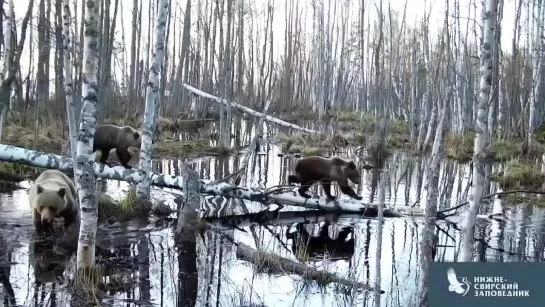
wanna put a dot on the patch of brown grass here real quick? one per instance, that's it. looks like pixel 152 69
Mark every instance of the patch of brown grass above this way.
pixel 184 148
pixel 460 147
pixel 50 138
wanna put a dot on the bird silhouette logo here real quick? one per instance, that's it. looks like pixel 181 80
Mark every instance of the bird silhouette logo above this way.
pixel 455 285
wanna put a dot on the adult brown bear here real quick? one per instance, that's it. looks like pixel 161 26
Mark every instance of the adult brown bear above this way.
pixel 53 195
pixel 108 137
pixel 315 169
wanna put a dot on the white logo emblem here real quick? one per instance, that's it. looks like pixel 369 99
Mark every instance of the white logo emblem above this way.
pixel 455 285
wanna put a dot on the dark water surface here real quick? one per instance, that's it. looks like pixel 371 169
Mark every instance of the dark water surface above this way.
pixel 209 272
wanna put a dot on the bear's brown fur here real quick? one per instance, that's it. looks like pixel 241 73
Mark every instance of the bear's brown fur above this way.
pixel 113 157
pixel 108 137
pixel 315 169
pixel 53 195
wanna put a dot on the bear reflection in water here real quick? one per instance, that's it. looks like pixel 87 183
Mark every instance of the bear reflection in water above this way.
pixel 305 245
pixel 50 256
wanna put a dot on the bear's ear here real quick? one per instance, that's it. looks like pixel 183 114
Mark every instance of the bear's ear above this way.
pixel 39 188
pixel 61 192
pixel 351 164
pixel 136 135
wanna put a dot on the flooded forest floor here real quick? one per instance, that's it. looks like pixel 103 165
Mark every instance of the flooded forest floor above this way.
pixel 144 265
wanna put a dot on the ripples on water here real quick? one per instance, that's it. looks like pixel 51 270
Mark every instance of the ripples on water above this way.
pixel 209 273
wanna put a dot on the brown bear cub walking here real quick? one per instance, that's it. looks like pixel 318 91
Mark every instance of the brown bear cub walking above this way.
pixel 315 169
pixel 108 137
pixel 113 157
pixel 53 195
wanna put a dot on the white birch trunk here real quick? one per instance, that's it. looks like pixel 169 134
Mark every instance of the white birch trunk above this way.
pixel 8 50
pixel 380 221
pixel 85 175
pixel 152 100
pixel 481 138
pixel 414 93
pixel 537 59
pixel 432 190
pixel 248 110
pixel 70 102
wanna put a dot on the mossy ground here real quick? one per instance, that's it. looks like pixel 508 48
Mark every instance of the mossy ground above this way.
pixel 53 139
pixel 129 207
pixel 517 174
pixel 460 148
pixel 169 148
pixel 360 127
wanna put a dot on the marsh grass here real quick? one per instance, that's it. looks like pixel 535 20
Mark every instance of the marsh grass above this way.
pixel 518 174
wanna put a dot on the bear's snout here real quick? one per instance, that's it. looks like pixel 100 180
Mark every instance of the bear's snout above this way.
pixel 46 216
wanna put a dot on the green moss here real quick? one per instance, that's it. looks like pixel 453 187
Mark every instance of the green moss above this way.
pixel 20 170
pixel 505 150
pixel 128 202
pixel 108 208
pixel 519 175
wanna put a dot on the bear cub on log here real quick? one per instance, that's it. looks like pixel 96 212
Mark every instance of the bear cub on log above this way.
pixel 108 137
pixel 315 169
pixel 53 195
pixel 113 157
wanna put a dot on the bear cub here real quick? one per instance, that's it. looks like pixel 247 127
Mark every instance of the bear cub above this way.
pixel 314 169
pixel 114 158
pixel 108 137
pixel 53 195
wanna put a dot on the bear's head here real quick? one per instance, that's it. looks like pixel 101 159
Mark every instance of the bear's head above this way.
pixel 351 172
pixel 132 137
pixel 49 202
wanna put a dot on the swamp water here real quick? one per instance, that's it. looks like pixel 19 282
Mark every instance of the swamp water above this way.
pixel 210 273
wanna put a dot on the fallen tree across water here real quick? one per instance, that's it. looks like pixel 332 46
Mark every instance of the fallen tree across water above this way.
pixel 248 110
pixel 283 196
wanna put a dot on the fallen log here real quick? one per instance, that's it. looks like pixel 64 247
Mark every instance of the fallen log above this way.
pixel 66 164
pixel 277 264
pixel 266 196
pixel 248 110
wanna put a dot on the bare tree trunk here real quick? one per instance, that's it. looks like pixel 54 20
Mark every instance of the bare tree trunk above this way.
pixel 537 62
pixel 481 138
pixel 85 175
pixel 133 70
pixel 70 102
pixel 152 99
pixel 5 93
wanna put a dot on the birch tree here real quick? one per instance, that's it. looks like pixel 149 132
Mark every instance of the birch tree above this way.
pixel 537 60
pixel 152 99
pixel 481 137
pixel 6 92
pixel 70 103
pixel 85 175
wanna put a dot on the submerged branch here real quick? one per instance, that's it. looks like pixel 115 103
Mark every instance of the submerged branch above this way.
pixel 441 214
pixel 276 263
